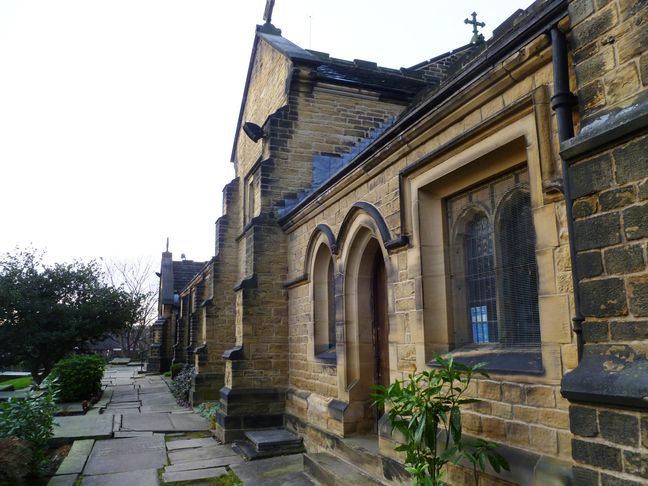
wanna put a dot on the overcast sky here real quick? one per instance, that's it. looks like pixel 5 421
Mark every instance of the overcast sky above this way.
pixel 117 116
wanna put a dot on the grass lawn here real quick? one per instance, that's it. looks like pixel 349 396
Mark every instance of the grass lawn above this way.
pixel 19 383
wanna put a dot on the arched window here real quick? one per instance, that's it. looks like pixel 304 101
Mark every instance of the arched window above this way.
pixel 480 280
pixel 494 271
pixel 324 303
pixel 519 317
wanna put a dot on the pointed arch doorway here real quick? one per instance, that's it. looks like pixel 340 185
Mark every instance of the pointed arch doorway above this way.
pixel 367 329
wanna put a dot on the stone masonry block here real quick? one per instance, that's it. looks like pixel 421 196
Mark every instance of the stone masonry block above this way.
pixel 643 68
pixel 597 232
pixel 585 207
pixel 591 29
pixel 591 176
pixel 591 96
pixel 603 298
pixel 609 480
pixel 595 66
pixel 631 161
pixel 554 310
pixel 635 222
pixel 584 476
pixel 513 393
pixel 596 331
pixel 629 330
pixel 636 463
pixel 489 390
pixel 643 191
pixel 624 259
pixel 589 264
pixel 621 82
pixel 617 198
pixel 544 220
pixel 619 428
pixel 632 44
pixel 638 296
pixel 579 10
pixel 594 454
pixel 540 396
pixel 543 439
pixel 582 421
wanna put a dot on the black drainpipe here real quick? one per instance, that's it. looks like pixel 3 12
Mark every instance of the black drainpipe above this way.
pixel 562 102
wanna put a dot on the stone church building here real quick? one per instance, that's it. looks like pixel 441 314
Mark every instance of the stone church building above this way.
pixel 491 202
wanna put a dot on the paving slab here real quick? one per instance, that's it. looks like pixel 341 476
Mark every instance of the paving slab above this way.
pixel 6 395
pixel 205 463
pixel 188 422
pixel 64 480
pixel 202 453
pixel 76 458
pixel 276 471
pixel 146 477
pixel 212 472
pixel 83 427
pixel 174 445
pixel 122 455
pixel 121 397
pixel 123 435
pixel 156 422
pixel 71 408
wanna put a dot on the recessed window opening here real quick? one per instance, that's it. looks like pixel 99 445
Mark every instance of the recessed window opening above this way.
pixel 493 267
pixel 324 303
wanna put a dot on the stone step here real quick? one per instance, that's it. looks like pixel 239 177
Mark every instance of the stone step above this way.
pixel 333 471
pixel 249 452
pixel 272 438
pixel 268 443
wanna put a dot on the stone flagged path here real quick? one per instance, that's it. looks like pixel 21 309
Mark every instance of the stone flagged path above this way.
pixel 137 434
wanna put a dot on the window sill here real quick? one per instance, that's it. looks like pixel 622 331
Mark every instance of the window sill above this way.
pixel 499 359
pixel 327 357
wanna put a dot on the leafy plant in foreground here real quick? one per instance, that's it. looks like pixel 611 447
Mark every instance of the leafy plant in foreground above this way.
pixel 30 419
pixel 428 403
pixel 209 410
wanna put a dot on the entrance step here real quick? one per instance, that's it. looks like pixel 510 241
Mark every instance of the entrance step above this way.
pixel 268 443
pixel 333 471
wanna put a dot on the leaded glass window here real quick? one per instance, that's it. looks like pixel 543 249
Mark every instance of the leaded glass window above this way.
pixel 493 266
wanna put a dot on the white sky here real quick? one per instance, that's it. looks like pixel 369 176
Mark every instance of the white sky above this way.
pixel 117 116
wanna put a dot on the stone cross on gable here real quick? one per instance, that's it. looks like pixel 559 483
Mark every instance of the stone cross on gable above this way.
pixel 477 38
pixel 267 14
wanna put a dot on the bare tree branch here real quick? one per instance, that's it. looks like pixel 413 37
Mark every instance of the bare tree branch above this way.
pixel 137 278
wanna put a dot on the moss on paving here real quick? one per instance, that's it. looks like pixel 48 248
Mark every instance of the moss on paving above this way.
pixel 188 435
pixel 229 479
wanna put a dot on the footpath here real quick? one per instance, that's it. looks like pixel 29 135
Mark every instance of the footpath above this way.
pixel 137 435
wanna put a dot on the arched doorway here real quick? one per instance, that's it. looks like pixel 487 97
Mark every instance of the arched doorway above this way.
pixel 367 328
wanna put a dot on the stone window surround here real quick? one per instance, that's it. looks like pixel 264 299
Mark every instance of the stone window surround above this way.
pixel 320 257
pixel 510 144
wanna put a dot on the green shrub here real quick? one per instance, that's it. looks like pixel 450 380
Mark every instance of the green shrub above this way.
pixel 430 401
pixel 79 377
pixel 176 368
pixel 181 386
pixel 30 419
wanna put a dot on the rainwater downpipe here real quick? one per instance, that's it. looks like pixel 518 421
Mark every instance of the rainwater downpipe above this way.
pixel 562 102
